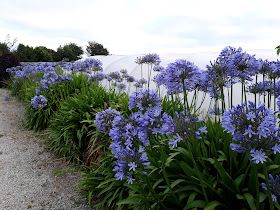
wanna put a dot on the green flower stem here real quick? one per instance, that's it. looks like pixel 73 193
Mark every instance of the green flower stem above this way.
pixel 228 98
pixel 223 100
pixel 202 101
pixel 256 92
pixel 271 207
pixel 173 104
pixel 245 95
pixel 274 84
pixel 263 89
pixel 186 104
pixel 231 90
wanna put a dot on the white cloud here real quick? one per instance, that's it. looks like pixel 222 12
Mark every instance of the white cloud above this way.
pixel 141 26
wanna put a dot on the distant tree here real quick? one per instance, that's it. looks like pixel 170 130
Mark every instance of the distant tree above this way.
pixel 6 47
pixel 70 51
pixel 25 53
pixel 94 48
pixel 278 49
pixel 43 54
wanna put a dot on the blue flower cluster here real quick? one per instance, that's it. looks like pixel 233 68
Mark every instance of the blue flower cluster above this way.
pixel 130 135
pixel 177 74
pixel 274 185
pixel 145 99
pixel 240 66
pixel 186 128
pixel 104 119
pixel 149 59
pixel 254 130
pixel 97 77
pixel 139 83
pixel 39 101
pixel 88 66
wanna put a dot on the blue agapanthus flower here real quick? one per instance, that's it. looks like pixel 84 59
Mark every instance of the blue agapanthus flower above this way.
pixel 178 74
pixel 253 130
pixel 186 128
pixel 97 77
pixel 88 65
pixel 39 101
pixel 7 98
pixel 139 83
pixel 151 58
pixel 274 184
pixel 130 135
pixel 145 99
pixel 104 120
pixel 121 86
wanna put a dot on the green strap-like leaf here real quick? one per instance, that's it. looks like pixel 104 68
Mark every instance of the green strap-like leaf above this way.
pixel 129 201
pixel 250 200
pixel 196 204
pixel 212 205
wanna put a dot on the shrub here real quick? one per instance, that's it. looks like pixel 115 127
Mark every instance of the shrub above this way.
pixel 4 48
pixel 39 118
pixel 7 61
pixel 72 125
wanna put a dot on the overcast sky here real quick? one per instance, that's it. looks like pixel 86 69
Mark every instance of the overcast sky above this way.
pixel 143 26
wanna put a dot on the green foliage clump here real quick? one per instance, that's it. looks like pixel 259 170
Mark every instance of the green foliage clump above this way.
pixel 101 187
pixel 39 119
pixel 72 123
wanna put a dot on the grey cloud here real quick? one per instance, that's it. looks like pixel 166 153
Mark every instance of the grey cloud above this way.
pixel 204 32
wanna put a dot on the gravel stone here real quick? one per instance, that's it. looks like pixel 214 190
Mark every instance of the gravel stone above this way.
pixel 29 177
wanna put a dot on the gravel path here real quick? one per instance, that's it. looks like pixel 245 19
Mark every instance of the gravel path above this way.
pixel 30 177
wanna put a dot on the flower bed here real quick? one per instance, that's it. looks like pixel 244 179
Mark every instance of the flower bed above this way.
pixel 148 150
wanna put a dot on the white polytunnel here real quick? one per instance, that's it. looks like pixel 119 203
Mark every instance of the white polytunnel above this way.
pixel 113 63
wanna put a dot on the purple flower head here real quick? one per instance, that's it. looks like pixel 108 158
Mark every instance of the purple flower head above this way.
pixel 139 83
pixel 87 65
pixel 39 101
pixel 104 120
pixel 148 59
pixel 274 184
pixel 180 73
pixel 144 99
pixel 253 129
pixel 130 78
pixel 258 156
pixel 173 141
pixel 240 65
pixel 121 86
pixel 97 77
pixel 158 68
pixel 115 76
pixel 186 128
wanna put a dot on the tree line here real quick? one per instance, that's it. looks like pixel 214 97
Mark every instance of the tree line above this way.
pixel 70 51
